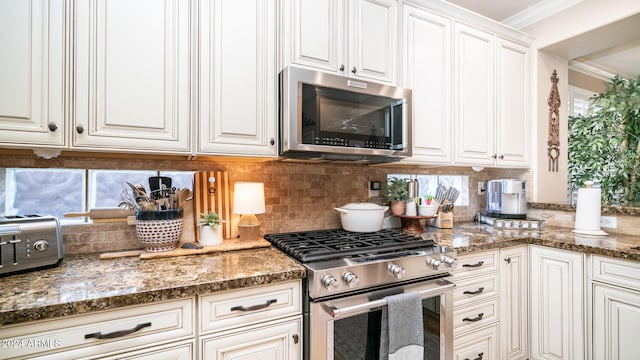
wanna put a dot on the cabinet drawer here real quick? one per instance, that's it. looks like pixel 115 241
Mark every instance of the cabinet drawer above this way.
pixel 175 351
pixel 478 345
pixel 225 310
pixel 278 340
pixel 475 289
pixel 475 316
pixel 474 264
pixel 616 272
pixel 78 336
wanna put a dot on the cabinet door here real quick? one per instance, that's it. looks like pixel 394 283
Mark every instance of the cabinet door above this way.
pixel 478 345
pixel 132 75
pixel 512 118
pixel 372 39
pixel 514 304
pixel 474 96
pixel 31 72
pixel 237 78
pixel 616 323
pixel 427 71
pixel 314 34
pixel 557 304
pixel 274 342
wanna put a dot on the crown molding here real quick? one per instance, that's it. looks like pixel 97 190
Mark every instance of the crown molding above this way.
pixel 538 12
pixel 590 70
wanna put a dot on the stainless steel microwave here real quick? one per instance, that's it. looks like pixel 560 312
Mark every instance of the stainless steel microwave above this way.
pixel 331 117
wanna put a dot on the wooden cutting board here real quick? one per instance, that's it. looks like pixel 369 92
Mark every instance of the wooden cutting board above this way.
pixel 227 245
pixel 212 192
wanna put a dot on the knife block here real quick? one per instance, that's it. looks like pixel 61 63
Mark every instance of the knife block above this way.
pixel 443 221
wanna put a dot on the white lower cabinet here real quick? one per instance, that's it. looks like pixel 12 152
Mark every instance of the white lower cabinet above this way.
pixel 163 330
pixel 615 287
pixel 476 307
pixel 481 344
pixel 514 302
pixel 558 315
pixel 259 323
pixel 491 305
pixel 276 341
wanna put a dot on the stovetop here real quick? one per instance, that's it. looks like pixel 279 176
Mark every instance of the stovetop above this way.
pixel 322 245
pixel 340 261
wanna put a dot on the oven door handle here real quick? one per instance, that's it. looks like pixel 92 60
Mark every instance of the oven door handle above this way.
pixel 336 313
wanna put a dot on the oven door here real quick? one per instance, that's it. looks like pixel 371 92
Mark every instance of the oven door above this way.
pixel 348 328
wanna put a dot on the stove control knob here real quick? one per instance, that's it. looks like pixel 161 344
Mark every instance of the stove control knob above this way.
pixel 397 271
pixel 329 282
pixel 352 280
pixel 434 263
pixel 41 245
pixel 449 261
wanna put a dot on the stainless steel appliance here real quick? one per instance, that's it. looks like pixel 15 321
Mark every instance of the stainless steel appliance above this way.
pixel 29 242
pixel 330 117
pixel 507 198
pixel 348 277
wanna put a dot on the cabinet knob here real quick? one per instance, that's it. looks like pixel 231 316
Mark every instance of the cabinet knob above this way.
pixel 341 67
pixel 508 260
pixel 272 141
pixel 79 128
pixel 494 156
pixel 52 126
pixel 501 157
pixel 354 70
pixel 296 338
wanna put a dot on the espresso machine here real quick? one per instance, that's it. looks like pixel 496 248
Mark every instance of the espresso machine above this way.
pixel 507 199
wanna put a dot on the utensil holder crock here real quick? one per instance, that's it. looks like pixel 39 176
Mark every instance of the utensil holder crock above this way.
pixel 159 230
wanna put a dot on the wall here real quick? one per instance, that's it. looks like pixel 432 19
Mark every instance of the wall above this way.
pixel 550 186
pixel 298 196
pixel 586 82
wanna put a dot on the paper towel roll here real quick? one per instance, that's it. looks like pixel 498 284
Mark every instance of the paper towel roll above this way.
pixel 588 212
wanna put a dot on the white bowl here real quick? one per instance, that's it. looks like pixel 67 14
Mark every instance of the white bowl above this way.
pixel 427 210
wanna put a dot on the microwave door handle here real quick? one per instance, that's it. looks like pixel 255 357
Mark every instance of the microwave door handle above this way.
pixel 336 313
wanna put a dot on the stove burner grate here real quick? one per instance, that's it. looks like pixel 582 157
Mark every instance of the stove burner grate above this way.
pixel 310 246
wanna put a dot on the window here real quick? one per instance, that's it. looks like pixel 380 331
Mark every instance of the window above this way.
pixel 427 185
pixel 59 191
pixel 578 101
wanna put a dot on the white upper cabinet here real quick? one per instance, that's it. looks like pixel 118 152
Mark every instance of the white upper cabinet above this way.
pixel 474 95
pixel 32 73
pixel 512 117
pixel 491 99
pixel 356 38
pixel 132 64
pixel 238 88
pixel 426 44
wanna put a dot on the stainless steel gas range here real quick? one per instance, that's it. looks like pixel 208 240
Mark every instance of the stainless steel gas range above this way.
pixel 349 275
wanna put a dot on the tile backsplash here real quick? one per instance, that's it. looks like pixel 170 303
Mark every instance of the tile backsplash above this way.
pixel 298 196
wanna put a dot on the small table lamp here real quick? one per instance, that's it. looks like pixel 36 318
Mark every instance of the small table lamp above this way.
pixel 248 200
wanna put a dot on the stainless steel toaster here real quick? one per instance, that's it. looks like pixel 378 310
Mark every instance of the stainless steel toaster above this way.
pixel 29 242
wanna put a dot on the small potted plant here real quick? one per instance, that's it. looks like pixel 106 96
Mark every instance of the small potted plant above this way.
pixel 397 193
pixel 428 199
pixel 210 229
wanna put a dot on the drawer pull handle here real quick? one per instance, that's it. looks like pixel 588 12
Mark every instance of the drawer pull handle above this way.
pixel 254 307
pixel 477 318
pixel 478 358
pixel 478 264
pixel 479 291
pixel 117 334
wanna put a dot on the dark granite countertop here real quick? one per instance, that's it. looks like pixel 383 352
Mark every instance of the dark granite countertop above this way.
pixel 468 237
pixel 82 284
